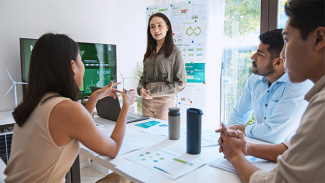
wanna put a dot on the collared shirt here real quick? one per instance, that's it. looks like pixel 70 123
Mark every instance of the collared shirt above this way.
pixel 304 160
pixel 278 108
pixel 171 70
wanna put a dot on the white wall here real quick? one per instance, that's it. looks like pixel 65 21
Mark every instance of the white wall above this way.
pixel 120 22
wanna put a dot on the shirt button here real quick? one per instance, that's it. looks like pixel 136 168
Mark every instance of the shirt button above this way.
pixel 264 117
pixel 268 90
pixel 266 105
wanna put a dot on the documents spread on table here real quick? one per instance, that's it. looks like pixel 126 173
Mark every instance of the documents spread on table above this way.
pixel 209 136
pixel 259 163
pixel 130 143
pixel 164 162
pixel 133 142
pixel 154 127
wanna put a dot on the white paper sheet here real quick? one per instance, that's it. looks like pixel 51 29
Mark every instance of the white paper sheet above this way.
pixel 130 143
pixel 199 10
pixel 259 163
pixel 141 173
pixel 209 138
pixel 179 13
pixel 159 129
pixel 133 142
pixel 164 162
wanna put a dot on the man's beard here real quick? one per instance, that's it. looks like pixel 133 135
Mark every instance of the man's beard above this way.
pixel 264 72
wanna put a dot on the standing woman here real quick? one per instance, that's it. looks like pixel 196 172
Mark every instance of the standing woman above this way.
pixel 50 122
pixel 163 69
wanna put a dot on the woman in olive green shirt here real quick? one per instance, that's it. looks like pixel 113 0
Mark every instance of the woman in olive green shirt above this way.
pixel 163 69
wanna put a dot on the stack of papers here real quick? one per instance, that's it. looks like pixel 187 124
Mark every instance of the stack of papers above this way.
pixel 209 137
pixel 164 162
pixel 259 163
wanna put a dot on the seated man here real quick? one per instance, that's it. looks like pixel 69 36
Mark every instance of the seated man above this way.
pixel 303 158
pixel 277 103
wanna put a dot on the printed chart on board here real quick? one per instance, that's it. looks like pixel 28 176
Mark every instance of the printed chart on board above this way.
pixel 189 21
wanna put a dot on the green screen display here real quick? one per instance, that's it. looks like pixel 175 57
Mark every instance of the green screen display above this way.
pixel 99 61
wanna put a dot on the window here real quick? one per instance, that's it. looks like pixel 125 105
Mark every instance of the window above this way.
pixel 282 17
pixel 241 31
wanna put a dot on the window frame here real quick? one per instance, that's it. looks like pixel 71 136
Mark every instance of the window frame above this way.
pixel 269 15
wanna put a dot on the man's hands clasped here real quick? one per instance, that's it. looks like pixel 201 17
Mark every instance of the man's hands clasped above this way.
pixel 232 143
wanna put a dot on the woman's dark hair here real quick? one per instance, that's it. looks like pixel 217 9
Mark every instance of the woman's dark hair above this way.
pixel 275 41
pixel 306 15
pixel 50 71
pixel 152 43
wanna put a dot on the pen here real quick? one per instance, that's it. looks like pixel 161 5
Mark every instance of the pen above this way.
pixel 126 91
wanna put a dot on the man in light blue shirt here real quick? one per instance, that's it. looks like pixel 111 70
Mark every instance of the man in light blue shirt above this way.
pixel 277 103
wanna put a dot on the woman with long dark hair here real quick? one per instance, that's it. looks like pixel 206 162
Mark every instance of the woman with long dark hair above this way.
pixel 163 69
pixel 50 122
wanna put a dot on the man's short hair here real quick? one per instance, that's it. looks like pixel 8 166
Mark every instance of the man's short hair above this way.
pixel 275 41
pixel 306 15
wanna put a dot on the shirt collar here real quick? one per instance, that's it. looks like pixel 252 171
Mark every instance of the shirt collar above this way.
pixel 162 50
pixel 282 79
pixel 319 85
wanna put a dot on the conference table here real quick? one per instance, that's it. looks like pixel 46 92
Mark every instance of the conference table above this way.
pixel 137 173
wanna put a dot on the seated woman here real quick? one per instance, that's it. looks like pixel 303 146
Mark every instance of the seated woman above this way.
pixel 50 122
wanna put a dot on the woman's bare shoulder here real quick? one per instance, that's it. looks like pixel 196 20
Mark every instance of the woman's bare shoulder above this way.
pixel 70 111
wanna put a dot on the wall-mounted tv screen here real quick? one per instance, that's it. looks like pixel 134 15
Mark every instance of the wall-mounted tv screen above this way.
pixel 99 60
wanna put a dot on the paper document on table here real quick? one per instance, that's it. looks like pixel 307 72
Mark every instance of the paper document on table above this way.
pixel 130 143
pixel 164 162
pixel 158 129
pixel 209 138
pixel 133 142
pixel 141 173
pixel 259 163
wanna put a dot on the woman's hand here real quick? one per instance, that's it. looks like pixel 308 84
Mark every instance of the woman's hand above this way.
pixel 107 90
pixel 128 97
pixel 145 93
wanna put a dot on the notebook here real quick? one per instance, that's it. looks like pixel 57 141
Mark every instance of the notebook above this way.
pixel 110 108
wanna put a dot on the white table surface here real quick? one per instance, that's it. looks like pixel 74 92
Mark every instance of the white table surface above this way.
pixel 202 174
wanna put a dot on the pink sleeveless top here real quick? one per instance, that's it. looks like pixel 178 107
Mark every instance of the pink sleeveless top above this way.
pixel 34 155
